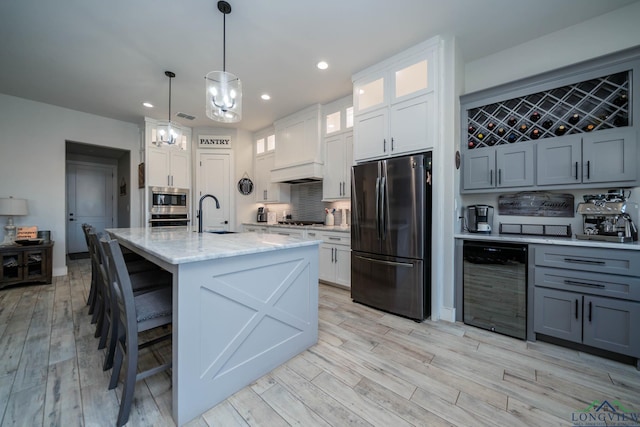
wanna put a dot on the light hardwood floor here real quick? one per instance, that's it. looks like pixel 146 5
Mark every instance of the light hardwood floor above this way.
pixel 368 368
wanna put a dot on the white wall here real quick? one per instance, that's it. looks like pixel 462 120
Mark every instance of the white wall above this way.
pixel 32 161
pixel 599 36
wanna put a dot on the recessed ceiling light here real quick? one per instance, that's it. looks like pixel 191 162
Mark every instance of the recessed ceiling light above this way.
pixel 147 104
pixel 322 65
pixel 265 96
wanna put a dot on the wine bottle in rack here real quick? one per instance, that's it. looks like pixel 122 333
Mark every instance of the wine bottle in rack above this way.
pixel 512 121
pixel 480 136
pixel 501 131
pixel 574 119
pixel 589 127
pixel 512 137
pixel 535 134
pixel 535 116
pixel 621 99
pixel 472 143
pixel 523 128
pixel 560 130
pixel 472 129
pixel 547 124
pixel 620 120
pixel 491 125
pixel 491 141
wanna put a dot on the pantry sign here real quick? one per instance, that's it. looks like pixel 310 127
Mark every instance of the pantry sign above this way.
pixel 214 141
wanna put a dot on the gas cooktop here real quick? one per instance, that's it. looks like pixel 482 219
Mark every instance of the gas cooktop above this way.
pixel 300 223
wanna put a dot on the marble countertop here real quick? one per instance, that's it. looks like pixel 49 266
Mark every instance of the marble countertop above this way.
pixel 548 240
pixel 320 227
pixel 178 245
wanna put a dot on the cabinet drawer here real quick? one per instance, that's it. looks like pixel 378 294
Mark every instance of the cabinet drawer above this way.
pixel 287 232
pixel 609 261
pixel 622 287
pixel 336 238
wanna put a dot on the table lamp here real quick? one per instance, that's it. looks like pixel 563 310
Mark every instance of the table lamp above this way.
pixel 11 207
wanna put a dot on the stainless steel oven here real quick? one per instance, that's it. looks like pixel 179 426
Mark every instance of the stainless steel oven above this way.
pixel 169 206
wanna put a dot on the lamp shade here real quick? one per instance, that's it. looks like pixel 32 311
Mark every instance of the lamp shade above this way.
pixel 10 206
pixel 223 97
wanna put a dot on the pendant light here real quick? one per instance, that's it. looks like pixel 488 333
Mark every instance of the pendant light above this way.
pixel 169 135
pixel 223 90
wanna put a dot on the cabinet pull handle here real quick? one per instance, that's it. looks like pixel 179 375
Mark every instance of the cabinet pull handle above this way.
pixel 384 145
pixel 491 177
pixel 336 257
pixel 499 176
pixel 169 180
pixel 391 144
pixel 588 169
pixel 589 311
pixel 334 238
pixel 576 309
pixel 332 255
pixel 588 285
pixel 284 234
pixel 583 261
pixel 576 171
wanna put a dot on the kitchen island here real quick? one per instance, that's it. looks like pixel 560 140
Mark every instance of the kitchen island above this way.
pixel 243 304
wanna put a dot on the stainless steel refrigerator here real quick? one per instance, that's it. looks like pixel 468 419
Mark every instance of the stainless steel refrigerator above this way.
pixel 391 235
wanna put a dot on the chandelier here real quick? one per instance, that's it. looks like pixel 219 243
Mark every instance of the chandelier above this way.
pixel 223 90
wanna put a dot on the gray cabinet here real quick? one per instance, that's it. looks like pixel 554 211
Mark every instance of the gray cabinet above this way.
pixel 588 296
pixel 601 157
pixel 499 167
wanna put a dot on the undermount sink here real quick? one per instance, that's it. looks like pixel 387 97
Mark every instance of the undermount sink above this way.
pixel 221 232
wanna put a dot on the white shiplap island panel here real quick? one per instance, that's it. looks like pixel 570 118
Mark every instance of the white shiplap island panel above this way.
pixel 243 304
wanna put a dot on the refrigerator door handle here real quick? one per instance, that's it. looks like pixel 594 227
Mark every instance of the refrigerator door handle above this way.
pixel 379 261
pixel 378 206
pixel 383 208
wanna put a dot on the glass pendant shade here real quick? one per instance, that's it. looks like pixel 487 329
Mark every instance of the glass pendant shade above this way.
pixel 223 97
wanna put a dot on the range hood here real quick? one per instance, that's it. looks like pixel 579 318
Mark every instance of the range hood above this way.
pixel 298 174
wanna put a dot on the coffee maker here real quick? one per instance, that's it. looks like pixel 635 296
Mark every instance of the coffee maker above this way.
pixel 262 215
pixel 605 217
pixel 479 218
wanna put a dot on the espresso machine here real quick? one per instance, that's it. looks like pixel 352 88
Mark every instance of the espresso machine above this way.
pixel 479 218
pixel 605 217
pixel 262 215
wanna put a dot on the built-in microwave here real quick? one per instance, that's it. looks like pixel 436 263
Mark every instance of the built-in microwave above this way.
pixel 169 200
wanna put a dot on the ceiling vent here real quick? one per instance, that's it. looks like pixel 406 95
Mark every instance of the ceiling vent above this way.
pixel 185 116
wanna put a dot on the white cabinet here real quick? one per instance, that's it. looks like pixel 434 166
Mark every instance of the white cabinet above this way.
pixel 168 165
pixel 395 104
pixel 266 191
pixel 299 152
pixel 335 258
pixel 168 168
pixel 337 167
pixel 255 229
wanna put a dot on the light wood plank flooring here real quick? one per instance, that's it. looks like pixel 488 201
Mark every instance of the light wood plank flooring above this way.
pixel 368 368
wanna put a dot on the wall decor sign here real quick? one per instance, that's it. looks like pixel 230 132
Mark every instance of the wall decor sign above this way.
pixel 537 203
pixel 214 141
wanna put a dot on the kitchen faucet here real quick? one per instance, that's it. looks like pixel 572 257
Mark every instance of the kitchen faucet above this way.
pixel 200 209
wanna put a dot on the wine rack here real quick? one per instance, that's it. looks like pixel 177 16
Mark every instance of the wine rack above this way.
pixel 587 106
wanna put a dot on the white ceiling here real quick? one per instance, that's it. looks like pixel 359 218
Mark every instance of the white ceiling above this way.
pixel 107 57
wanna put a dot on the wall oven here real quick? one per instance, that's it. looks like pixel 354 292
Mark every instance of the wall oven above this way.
pixel 169 207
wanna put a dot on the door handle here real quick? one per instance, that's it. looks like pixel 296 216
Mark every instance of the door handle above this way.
pixel 379 261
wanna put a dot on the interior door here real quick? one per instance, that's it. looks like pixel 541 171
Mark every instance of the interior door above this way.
pixel 90 199
pixel 214 178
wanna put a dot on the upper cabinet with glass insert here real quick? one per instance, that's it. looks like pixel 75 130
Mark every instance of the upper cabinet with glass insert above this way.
pixel 395 103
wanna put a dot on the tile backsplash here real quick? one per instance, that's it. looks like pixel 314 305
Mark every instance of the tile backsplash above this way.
pixel 307 205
